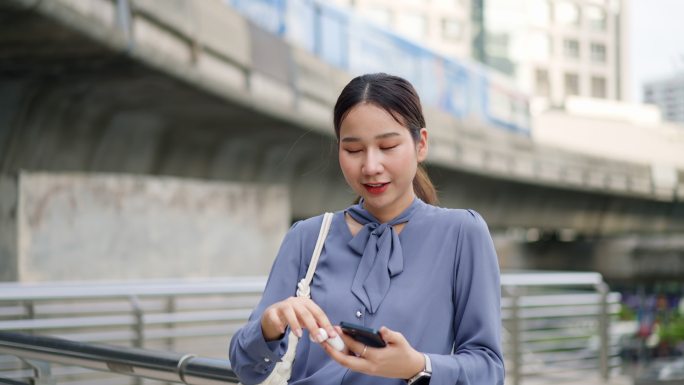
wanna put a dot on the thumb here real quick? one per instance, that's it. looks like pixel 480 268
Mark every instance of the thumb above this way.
pixel 391 337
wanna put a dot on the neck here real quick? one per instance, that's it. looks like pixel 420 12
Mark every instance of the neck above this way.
pixel 386 214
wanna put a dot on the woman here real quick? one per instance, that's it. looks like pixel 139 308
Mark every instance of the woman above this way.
pixel 427 277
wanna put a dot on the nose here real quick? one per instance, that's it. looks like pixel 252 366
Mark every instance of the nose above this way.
pixel 372 163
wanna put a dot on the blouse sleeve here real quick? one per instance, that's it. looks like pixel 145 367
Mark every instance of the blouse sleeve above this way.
pixel 252 358
pixel 477 356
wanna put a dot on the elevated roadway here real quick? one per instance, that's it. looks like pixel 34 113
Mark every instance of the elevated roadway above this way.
pixel 193 89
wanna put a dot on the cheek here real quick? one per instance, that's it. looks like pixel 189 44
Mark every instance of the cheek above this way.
pixel 407 164
pixel 347 166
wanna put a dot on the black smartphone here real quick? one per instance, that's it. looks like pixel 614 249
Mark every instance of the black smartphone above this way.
pixel 366 336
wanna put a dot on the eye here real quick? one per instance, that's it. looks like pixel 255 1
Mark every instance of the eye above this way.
pixel 389 147
pixel 352 151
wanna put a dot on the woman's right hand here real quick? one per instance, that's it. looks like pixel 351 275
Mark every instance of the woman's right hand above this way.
pixel 298 313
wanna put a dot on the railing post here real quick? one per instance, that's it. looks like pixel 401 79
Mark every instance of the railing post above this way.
pixel 138 327
pixel 170 309
pixel 30 309
pixel 604 325
pixel 515 330
pixel 124 20
pixel 41 372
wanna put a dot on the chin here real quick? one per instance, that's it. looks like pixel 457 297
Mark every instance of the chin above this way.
pixel 376 201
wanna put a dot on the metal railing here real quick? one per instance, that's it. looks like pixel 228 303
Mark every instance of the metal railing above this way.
pixel 555 324
pixel 165 315
pixel 164 366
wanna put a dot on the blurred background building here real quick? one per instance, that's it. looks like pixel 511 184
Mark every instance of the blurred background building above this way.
pixel 556 49
pixel 443 25
pixel 668 95
pixel 551 48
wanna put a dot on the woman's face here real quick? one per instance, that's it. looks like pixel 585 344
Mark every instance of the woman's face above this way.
pixel 379 159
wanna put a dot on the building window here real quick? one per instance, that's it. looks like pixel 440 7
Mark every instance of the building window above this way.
pixel 542 86
pixel 648 95
pixel 571 48
pixel 413 25
pixel 598 53
pixel 567 13
pixel 596 17
pixel 598 87
pixel 571 84
pixel 451 29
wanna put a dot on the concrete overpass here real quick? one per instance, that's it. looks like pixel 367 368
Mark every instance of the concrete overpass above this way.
pixel 192 89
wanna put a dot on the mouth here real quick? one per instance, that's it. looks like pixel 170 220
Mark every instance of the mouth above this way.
pixel 376 188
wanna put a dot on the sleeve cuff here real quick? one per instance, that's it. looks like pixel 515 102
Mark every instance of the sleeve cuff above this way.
pixel 265 354
pixel 445 368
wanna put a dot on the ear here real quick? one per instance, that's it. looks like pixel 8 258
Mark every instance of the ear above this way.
pixel 422 146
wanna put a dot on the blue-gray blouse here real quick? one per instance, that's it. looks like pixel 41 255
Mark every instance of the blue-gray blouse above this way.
pixel 445 299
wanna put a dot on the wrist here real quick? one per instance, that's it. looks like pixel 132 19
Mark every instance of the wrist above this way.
pixel 270 335
pixel 424 375
pixel 416 365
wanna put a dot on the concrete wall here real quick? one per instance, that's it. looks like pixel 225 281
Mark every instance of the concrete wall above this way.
pixel 75 226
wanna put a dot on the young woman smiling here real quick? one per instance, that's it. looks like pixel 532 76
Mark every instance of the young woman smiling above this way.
pixel 426 277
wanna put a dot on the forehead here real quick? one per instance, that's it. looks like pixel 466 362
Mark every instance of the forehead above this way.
pixel 367 117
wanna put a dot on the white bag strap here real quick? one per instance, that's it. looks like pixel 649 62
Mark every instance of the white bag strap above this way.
pixel 303 289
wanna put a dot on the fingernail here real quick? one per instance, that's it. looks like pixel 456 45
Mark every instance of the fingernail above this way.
pixel 298 333
pixel 321 337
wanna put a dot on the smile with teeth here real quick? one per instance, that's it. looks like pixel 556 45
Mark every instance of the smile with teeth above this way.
pixel 376 188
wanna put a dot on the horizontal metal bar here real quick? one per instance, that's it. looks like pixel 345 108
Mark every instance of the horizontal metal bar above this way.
pixel 56 290
pixel 531 371
pixel 551 279
pixel 125 320
pixel 557 300
pixel 67 323
pixel 232 285
pixel 164 366
pixel 562 311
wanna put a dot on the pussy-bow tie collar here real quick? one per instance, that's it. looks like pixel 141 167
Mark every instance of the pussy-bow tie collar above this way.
pixel 381 254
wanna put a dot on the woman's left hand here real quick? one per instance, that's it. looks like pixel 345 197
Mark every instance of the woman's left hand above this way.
pixel 396 360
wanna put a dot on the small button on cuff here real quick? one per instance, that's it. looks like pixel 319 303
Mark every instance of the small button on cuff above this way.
pixel 359 314
pixel 266 359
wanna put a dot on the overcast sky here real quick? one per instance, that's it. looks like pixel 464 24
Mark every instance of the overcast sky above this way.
pixel 657 41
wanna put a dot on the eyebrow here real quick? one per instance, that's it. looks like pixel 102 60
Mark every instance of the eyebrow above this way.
pixel 381 136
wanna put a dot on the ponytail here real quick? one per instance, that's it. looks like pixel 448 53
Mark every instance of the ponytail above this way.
pixel 423 187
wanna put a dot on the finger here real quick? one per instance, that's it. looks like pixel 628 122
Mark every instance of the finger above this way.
pixel 347 360
pixel 291 317
pixel 391 336
pixel 321 318
pixel 307 320
pixel 353 345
